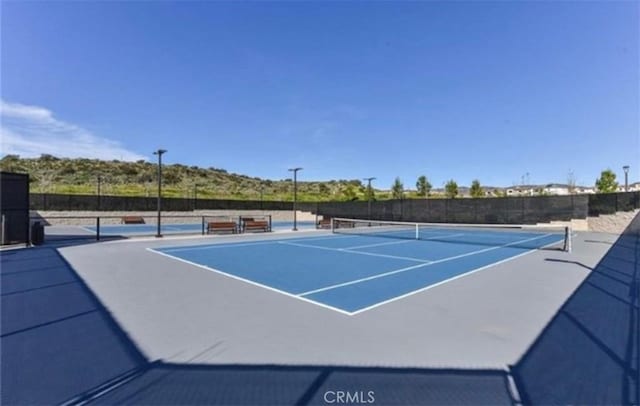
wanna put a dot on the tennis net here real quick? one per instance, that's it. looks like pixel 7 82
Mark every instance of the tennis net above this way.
pixel 494 235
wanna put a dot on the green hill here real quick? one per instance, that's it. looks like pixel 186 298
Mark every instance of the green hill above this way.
pixel 80 176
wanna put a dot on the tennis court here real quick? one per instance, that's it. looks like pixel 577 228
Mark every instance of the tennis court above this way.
pixel 354 269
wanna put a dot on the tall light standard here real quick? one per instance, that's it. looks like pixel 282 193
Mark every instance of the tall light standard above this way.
pixel 261 196
pixel 626 177
pixel 370 196
pixel 99 198
pixel 195 196
pixel 295 195
pixel 159 152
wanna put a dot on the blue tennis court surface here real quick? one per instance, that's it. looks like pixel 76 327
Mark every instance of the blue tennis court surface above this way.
pixel 354 273
pixel 167 228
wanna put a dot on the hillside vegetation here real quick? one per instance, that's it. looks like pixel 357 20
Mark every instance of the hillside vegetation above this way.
pixel 80 176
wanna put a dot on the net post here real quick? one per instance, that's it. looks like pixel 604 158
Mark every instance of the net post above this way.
pixel 417 231
pixel 567 239
pixel 97 228
pixel 333 225
pixel 202 225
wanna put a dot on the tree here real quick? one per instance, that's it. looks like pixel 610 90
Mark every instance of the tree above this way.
pixel 348 192
pixel 451 189
pixel 423 186
pixel 397 189
pixel 607 182
pixel 476 189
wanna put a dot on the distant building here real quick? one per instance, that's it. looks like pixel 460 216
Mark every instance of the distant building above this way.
pixel 556 189
pixel 633 187
pixel 585 190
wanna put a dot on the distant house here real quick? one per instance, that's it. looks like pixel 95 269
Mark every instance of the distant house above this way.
pixel 633 187
pixel 525 190
pixel 556 189
pixel 585 190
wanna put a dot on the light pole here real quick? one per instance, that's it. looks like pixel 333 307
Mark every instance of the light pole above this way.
pixel 261 196
pixel 295 195
pixel 99 198
pixel 370 196
pixel 159 152
pixel 195 196
pixel 626 177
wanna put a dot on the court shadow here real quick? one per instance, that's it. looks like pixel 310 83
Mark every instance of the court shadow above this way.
pixel 310 385
pixel 57 339
pixel 568 262
pixel 588 353
pixel 599 242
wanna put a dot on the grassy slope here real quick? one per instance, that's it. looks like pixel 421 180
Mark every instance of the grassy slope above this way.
pixel 79 176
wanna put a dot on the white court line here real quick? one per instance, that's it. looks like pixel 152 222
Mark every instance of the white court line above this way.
pixel 249 281
pixel 393 299
pixel 378 245
pixel 404 241
pixel 354 252
pixel 261 242
pixel 382 275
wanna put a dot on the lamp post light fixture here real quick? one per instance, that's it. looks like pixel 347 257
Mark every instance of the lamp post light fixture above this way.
pixel 626 177
pixel 261 196
pixel 295 196
pixel 99 195
pixel 370 195
pixel 195 196
pixel 159 152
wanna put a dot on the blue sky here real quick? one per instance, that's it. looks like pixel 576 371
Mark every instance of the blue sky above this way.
pixel 487 90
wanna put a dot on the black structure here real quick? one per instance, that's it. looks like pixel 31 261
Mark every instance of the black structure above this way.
pixel 369 195
pixel 505 210
pixel 295 196
pixel 498 210
pixel 14 204
pixel 159 152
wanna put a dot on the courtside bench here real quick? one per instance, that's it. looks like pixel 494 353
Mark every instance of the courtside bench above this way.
pixel 222 226
pixel 324 222
pixel 251 224
pixel 132 220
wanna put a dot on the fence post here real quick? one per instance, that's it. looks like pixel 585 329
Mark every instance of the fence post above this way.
pixel 446 210
pixel 475 210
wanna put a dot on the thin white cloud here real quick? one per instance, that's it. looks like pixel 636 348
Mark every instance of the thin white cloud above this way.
pixel 30 131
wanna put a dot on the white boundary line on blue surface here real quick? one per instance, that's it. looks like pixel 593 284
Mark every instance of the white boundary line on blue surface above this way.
pixel 439 261
pixel 378 245
pixel 249 281
pixel 229 244
pixel 88 229
pixel 371 254
pixel 404 241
